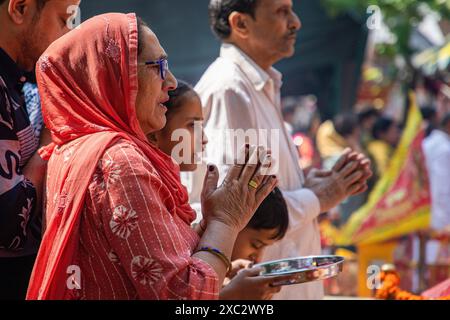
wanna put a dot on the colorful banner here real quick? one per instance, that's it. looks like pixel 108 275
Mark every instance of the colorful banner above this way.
pixel 399 204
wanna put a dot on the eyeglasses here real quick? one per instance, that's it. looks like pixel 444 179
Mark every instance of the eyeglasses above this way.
pixel 162 64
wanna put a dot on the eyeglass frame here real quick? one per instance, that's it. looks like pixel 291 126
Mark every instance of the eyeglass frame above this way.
pixel 163 66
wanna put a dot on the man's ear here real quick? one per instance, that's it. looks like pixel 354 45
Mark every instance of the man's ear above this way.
pixel 239 24
pixel 20 10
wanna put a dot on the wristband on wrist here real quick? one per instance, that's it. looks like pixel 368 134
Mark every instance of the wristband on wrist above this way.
pixel 218 254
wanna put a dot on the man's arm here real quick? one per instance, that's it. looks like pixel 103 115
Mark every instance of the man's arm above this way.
pixel 36 168
pixel 440 209
pixel 303 205
pixel 20 190
pixel 17 195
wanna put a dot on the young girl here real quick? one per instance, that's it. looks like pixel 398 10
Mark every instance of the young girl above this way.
pixel 269 223
pixel 184 110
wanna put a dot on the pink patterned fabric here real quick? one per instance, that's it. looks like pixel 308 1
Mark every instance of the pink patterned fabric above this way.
pixel 131 246
pixel 88 84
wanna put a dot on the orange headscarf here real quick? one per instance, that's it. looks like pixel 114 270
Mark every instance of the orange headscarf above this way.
pixel 88 85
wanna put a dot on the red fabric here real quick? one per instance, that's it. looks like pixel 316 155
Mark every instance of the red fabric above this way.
pixel 307 152
pixel 140 249
pixel 88 85
pixel 306 148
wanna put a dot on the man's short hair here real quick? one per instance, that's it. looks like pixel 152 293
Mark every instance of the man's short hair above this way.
pixel 220 11
pixel 40 3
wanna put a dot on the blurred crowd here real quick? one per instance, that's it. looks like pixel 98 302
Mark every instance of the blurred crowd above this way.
pixel 370 130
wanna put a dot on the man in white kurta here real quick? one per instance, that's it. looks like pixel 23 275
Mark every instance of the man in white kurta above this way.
pixel 239 93
pixel 247 97
pixel 436 148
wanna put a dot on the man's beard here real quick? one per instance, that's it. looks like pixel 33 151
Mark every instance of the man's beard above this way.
pixel 32 46
pixel 29 53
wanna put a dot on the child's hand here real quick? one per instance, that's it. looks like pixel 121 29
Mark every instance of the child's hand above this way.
pixel 248 285
pixel 238 265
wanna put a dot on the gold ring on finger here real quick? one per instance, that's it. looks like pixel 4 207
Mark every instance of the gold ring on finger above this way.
pixel 253 184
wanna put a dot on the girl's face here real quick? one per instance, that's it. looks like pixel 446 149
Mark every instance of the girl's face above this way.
pixel 250 243
pixel 185 118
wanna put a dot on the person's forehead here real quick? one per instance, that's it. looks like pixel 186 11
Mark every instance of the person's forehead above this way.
pixel 271 234
pixel 193 100
pixel 152 47
pixel 265 235
pixel 270 4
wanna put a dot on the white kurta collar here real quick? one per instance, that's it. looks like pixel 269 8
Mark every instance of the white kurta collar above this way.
pixel 255 73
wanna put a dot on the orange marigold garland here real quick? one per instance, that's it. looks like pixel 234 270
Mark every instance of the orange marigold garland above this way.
pixel 390 291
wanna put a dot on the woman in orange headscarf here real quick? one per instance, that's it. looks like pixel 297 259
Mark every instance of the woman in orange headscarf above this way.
pixel 118 218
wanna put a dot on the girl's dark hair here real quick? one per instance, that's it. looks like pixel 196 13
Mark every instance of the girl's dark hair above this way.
pixel 272 214
pixel 177 96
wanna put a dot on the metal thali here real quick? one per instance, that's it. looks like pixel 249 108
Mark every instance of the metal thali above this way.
pixel 302 269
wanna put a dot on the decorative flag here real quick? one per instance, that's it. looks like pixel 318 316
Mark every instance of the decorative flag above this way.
pixel 400 201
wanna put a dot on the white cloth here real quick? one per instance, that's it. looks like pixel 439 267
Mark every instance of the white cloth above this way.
pixel 237 94
pixel 436 148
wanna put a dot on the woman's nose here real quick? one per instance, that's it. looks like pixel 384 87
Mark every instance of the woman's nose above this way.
pixel 255 257
pixel 170 83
